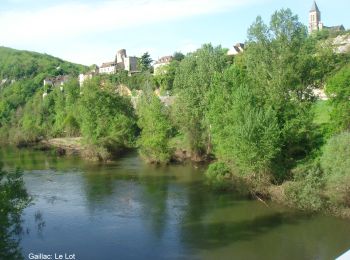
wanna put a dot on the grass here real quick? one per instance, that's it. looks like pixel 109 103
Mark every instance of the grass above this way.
pixel 322 111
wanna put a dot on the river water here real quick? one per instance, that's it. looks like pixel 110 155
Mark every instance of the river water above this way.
pixel 128 210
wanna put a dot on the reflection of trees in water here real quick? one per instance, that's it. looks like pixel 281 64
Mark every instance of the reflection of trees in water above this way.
pixel 155 198
pixel 129 192
pixel 33 159
pixel 13 199
pixel 39 220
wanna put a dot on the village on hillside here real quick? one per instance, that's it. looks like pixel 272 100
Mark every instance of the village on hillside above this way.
pixel 130 64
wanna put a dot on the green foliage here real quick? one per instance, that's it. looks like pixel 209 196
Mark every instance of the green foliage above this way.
pixel 245 135
pixel 218 175
pixel 325 184
pixel 178 56
pixel 335 160
pixel 71 126
pixel 338 88
pixel 322 110
pixel 23 113
pixel 134 82
pixel 306 192
pixel 155 129
pixel 16 64
pixel 106 118
pixel 165 75
pixel 145 62
pixel 13 199
pixel 279 60
pixel 192 83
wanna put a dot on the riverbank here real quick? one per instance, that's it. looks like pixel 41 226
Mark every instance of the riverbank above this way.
pixel 298 195
pixel 69 146
pixel 307 196
pixel 76 146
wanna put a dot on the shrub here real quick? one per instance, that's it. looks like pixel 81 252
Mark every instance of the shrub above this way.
pixel 71 126
pixel 306 193
pixel 218 174
pixel 335 163
pixel 338 88
pixel 335 160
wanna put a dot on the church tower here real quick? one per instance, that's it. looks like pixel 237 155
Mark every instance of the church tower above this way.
pixel 315 23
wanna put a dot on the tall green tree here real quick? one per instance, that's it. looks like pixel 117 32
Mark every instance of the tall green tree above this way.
pixel 145 62
pixel 155 129
pixel 280 63
pixel 245 135
pixel 192 83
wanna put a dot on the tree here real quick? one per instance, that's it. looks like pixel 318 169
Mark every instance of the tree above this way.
pixel 191 85
pixel 166 75
pixel 155 129
pixel 107 119
pixel 280 63
pixel 145 62
pixel 245 135
pixel 178 56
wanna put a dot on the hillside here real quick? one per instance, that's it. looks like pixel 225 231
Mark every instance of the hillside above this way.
pixel 22 74
pixel 16 64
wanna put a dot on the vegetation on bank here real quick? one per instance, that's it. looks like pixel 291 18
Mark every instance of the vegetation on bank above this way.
pixel 254 115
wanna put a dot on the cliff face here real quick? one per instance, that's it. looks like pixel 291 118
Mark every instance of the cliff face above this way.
pixel 342 43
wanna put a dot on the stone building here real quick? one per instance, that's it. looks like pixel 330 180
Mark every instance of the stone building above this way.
pixel 56 81
pixel 83 77
pixel 121 62
pixel 315 22
pixel 161 63
pixel 107 68
pixel 236 49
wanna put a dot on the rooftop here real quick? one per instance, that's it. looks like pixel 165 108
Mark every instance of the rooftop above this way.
pixel 108 64
pixel 314 7
pixel 164 59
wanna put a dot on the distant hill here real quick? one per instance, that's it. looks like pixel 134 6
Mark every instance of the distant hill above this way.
pixel 16 65
pixel 21 77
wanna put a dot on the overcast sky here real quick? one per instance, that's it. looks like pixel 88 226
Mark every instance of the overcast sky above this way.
pixel 91 31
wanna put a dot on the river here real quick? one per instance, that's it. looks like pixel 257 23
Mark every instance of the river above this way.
pixel 130 210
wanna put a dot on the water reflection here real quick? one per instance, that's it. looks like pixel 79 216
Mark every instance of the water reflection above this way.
pixel 14 198
pixel 130 210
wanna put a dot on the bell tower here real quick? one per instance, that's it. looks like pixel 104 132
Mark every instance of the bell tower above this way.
pixel 315 18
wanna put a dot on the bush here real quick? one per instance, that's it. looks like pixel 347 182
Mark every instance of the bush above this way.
pixel 335 160
pixel 306 192
pixel 338 88
pixel 105 118
pixel 335 163
pixel 218 174
pixel 71 126
pixel 245 134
